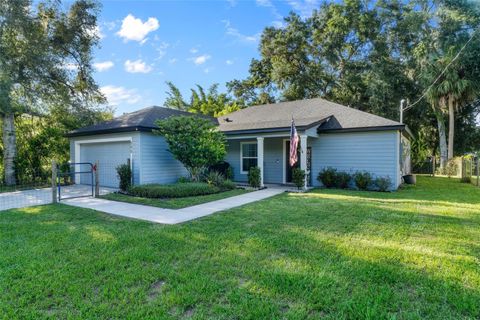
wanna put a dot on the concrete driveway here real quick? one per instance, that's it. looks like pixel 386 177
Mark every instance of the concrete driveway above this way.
pixel 35 197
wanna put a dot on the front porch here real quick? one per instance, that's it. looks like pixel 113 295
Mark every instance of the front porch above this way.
pixel 271 154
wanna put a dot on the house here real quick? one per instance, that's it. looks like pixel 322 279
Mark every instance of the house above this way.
pixel 331 135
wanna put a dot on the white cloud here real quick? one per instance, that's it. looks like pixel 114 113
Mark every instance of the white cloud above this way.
pixel 136 30
pixel 200 59
pixel 304 7
pixel 103 66
pixel 231 31
pixel 207 70
pixel 193 50
pixel 118 95
pixel 229 62
pixel 137 66
pixel 173 61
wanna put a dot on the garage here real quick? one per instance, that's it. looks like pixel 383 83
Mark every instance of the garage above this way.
pixel 109 155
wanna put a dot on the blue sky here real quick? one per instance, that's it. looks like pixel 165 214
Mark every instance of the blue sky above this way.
pixel 146 43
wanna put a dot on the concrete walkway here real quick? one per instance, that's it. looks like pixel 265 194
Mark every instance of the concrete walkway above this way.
pixel 170 216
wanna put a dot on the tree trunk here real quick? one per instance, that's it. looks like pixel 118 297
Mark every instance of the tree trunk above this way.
pixel 451 126
pixel 442 139
pixel 9 148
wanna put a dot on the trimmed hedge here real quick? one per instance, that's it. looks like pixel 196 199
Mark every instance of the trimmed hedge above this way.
pixel 178 190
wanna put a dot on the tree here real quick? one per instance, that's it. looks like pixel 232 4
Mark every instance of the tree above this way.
pixel 194 141
pixel 370 55
pixel 45 56
pixel 211 102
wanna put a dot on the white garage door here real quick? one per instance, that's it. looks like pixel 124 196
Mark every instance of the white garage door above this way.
pixel 109 155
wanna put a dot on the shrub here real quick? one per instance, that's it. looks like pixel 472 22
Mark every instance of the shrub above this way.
pixel 194 141
pixel 342 180
pixel 254 177
pixel 451 168
pixel 383 183
pixel 363 180
pixel 298 177
pixel 215 178
pixel 228 185
pixel 125 176
pixel 178 190
pixel 328 177
pixel 183 180
pixel 224 168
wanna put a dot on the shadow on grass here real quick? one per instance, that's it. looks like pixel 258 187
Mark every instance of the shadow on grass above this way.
pixel 291 256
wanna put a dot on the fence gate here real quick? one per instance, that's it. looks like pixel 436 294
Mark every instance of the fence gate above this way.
pixel 75 180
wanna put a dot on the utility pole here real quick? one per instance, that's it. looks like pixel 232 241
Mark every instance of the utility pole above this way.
pixel 402 102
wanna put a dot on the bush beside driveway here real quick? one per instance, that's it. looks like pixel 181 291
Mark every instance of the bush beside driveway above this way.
pixel 325 254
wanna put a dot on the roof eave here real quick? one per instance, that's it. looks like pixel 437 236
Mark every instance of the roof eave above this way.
pixel 111 130
pixel 364 129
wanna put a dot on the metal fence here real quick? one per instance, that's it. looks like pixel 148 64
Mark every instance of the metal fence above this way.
pixel 58 183
pixel 32 187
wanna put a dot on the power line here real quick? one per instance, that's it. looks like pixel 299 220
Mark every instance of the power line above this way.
pixel 442 73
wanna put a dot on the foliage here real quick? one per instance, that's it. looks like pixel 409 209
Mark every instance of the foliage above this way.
pixel 298 177
pixel 194 141
pixel 342 180
pixel 177 190
pixel 175 203
pixel 369 55
pixel 183 180
pixel 124 173
pixel 383 183
pixel 208 102
pixel 254 177
pixel 215 178
pixel 328 177
pixel 45 60
pixel 451 169
pixel 228 184
pixel 414 249
pixel 223 167
pixel 363 180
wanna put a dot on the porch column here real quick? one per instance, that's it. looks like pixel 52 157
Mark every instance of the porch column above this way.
pixel 260 158
pixel 303 157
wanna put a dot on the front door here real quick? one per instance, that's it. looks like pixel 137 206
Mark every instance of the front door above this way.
pixel 288 168
pixel 288 172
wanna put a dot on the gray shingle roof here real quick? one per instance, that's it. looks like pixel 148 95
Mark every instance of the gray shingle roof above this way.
pixel 141 120
pixel 305 113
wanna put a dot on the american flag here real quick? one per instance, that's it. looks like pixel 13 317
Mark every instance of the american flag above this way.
pixel 293 144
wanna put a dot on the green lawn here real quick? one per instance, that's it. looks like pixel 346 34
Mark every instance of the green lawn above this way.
pixel 330 254
pixel 174 203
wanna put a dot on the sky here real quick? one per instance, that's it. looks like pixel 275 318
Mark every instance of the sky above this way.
pixel 143 44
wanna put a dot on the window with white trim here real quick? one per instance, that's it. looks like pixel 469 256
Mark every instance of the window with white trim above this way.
pixel 248 156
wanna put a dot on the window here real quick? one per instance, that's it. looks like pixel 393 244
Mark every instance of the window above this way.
pixel 248 155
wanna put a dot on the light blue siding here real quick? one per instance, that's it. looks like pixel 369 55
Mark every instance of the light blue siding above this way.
pixel 272 159
pixel 233 157
pixel 156 162
pixel 375 152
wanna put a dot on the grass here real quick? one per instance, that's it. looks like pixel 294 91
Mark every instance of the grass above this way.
pixel 174 203
pixel 327 254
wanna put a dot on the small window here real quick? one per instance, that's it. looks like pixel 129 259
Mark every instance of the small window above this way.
pixel 249 156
